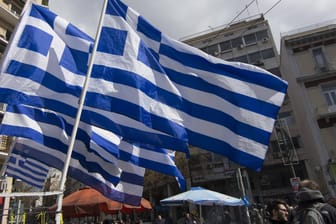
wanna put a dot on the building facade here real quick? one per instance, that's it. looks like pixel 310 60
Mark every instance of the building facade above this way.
pixel 308 62
pixel 251 41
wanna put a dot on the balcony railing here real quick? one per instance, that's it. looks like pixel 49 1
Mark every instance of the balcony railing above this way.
pixel 325 110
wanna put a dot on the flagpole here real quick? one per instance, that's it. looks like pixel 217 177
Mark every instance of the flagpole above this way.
pixel 58 215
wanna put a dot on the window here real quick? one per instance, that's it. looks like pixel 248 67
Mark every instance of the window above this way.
pixel 237 42
pixel 212 49
pixel 262 35
pixel 250 39
pixel 287 117
pixel 329 93
pixel 267 53
pixel 224 46
pixel 319 57
pixel 242 58
pixel 254 57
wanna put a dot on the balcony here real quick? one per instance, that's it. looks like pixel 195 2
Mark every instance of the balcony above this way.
pixel 323 111
pixel 325 116
pixel 10 16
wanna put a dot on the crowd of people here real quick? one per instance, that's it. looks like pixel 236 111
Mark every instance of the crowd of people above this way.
pixel 311 207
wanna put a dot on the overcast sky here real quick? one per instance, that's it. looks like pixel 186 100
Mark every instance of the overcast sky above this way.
pixel 181 18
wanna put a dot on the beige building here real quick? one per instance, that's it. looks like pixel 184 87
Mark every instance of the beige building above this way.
pixel 9 17
pixel 250 41
pixel 308 62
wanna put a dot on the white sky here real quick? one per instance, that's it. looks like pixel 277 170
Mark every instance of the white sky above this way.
pixel 181 18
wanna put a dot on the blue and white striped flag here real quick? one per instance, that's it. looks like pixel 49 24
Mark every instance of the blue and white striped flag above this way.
pixel 224 107
pixel 26 169
pixel 128 190
pixel 48 57
pixel 148 88
pixel 96 149
pixel 50 129
pixel 52 78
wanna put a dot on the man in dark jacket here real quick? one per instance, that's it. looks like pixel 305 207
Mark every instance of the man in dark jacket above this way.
pixel 278 212
pixel 311 206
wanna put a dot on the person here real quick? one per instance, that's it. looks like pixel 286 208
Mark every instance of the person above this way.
pixel 278 212
pixel 169 220
pixel 311 205
pixel 159 220
pixel 188 219
pixel 227 217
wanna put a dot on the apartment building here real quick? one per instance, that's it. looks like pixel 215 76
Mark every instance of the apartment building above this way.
pixel 250 41
pixel 308 62
pixel 9 17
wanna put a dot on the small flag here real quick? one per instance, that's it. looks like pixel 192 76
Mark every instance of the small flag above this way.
pixel 26 169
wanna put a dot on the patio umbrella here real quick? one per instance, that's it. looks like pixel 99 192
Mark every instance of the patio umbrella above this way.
pixel 201 196
pixel 90 202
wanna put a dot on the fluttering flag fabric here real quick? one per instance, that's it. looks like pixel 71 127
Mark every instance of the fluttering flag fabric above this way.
pixel 43 137
pixel 144 87
pixel 129 189
pixel 96 149
pixel 50 129
pixel 28 170
pixel 48 56
pixel 52 74
pixel 224 107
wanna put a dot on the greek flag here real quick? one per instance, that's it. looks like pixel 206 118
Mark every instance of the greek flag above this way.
pixel 52 74
pixel 128 190
pixel 26 169
pixel 96 149
pixel 145 87
pixel 43 137
pixel 223 107
pixel 48 56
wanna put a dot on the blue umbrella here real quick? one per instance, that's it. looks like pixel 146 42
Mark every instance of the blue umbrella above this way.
pixel 202 196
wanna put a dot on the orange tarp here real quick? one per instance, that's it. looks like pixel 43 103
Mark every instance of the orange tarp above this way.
pixel 89 202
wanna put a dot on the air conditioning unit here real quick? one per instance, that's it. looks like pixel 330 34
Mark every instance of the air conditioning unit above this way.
pixel 259 63
pixel 265 39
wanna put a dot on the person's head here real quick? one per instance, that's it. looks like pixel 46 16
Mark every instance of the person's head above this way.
pixel 278 210
pixel 310 184
pixel 309 192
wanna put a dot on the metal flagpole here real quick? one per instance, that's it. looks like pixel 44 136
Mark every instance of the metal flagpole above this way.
pixel 241 185
pixel 79 112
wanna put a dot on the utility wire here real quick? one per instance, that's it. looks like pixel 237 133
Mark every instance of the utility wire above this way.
pixel 243 10
pixel 275 4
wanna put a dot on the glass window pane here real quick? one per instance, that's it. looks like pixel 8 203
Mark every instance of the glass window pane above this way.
pixel 326 96
pixel 242 58
pixel 250 39
pixel 226 45
pixel 212 49
pixel 319 57
pixel 262 35
pixel 236 42
pixel 267 53
pixel 254 57
pixel 333 97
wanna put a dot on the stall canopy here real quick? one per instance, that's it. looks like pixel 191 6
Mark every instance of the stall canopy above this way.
pixel 89 202
pixel 202 196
